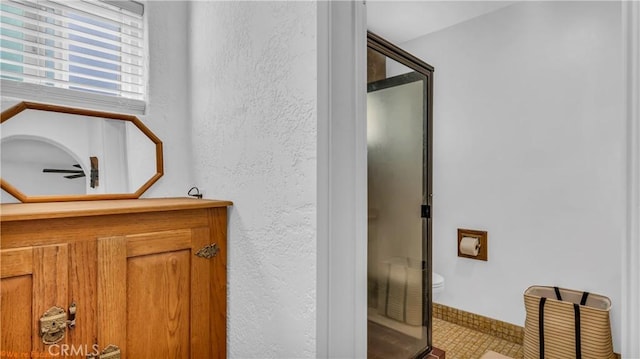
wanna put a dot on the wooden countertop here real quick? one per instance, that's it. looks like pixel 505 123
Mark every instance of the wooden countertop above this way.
pixel 27 211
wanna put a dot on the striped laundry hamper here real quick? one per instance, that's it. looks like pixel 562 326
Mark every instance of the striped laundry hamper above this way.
pixel 566 324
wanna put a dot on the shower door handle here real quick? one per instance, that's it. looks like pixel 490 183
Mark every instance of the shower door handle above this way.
pixel 425 211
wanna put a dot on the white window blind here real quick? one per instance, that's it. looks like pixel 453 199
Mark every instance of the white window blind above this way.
pixel 90 46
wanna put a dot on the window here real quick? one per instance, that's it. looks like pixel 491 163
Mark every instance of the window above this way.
pixel 96 47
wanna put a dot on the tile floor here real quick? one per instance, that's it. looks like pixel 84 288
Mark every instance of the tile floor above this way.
pixel 463 343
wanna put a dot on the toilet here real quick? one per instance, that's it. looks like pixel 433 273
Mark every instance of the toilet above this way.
pixel 437 284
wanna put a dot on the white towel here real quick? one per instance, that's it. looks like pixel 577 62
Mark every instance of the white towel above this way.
pixel 396 291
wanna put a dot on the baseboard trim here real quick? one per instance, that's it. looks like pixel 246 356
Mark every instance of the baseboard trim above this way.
pixel 503 330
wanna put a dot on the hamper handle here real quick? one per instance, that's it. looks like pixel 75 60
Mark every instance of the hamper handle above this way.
pixel 583 300
pixel 576 318
pixel 541 326
pixel 557 290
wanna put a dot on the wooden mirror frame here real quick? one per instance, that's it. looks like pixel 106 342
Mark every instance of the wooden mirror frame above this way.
pixel 14 191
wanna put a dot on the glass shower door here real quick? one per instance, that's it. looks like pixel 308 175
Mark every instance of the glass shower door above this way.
pixel 399 314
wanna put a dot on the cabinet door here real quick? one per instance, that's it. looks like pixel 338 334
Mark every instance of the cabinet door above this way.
pixel 154 295
pixel 33 279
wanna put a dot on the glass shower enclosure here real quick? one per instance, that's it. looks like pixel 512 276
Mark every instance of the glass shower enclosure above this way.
pixel 399 93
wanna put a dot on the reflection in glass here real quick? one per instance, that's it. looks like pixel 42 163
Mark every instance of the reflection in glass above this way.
pixel 396 120
pixel 24 159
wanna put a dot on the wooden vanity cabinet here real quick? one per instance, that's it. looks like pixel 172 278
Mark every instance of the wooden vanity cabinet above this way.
pixel 146 275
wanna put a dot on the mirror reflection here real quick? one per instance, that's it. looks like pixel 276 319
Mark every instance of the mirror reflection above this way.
pixel 50 153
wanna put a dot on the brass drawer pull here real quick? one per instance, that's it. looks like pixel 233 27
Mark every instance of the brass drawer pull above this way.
pixel 110 352
pixel 208 251
pixel 53 324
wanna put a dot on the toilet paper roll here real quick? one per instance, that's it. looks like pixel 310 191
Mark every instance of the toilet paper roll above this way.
pixel 470 246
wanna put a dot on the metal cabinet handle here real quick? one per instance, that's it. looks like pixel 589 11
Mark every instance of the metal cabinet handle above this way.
pixel 53 324
pixel 208 251
pixel 110 352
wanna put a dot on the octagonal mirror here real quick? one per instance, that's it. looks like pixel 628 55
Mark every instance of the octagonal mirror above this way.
pixel 54 153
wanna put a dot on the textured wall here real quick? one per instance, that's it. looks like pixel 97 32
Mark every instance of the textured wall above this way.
pixel 529 139
pixel 253 103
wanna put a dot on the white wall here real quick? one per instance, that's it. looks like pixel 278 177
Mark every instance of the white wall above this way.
pixel 253 103
pixel 631 249
pixel 168 107
pixel 529 144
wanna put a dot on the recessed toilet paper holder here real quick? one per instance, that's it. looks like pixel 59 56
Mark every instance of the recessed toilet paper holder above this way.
pixel 482 252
